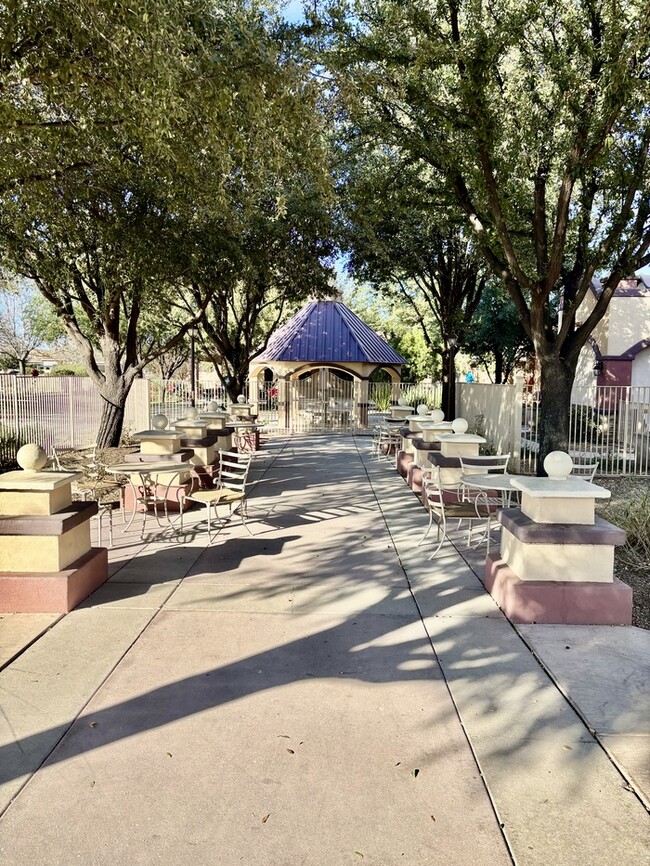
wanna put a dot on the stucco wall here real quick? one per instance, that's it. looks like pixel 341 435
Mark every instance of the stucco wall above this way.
pixel 629 323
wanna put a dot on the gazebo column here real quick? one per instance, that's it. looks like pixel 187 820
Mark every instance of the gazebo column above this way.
pixel 361 397
pixel 283 402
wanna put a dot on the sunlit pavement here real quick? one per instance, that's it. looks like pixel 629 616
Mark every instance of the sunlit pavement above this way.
pixel 317 692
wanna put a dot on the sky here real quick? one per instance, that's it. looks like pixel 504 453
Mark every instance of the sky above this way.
pixel 292 11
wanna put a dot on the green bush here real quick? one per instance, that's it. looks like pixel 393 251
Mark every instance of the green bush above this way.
pixel 69 370
pixel 416 396
pixel 382 396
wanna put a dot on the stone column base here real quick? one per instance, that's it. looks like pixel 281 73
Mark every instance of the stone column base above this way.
pixel 56 591
pixel 173 497
pixel 414 479
pixel 402 462
pixel 568 602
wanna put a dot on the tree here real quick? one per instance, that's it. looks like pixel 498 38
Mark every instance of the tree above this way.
pixel 496 336
pixel 535 115
pixel 129 127
pixel 24 324
pixel 394 321
pixel 402 240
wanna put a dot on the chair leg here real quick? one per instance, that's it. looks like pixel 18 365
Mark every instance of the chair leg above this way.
pixel 428 529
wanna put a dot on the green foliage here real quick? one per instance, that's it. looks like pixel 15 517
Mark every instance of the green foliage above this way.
pixel 152 155
pixel 382 396
pixel 417 395
pixel 532 118
pixel 394 320
pixel 496 336
pixel 68 370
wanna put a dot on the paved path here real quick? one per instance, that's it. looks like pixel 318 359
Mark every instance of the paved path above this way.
pixel 318 693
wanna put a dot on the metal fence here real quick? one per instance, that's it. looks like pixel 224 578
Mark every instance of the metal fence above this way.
pixel 613 429
pixel 64 412
pixel 60 411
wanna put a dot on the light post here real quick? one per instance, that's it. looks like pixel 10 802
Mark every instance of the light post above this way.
pixel 192 369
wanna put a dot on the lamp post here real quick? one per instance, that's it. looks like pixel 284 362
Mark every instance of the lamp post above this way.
pixel 192 369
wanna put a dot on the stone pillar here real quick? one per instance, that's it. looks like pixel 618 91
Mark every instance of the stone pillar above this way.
pixel 48 563
pixel 556 563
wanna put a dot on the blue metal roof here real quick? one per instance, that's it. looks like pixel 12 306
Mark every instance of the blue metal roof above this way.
pixel 328 331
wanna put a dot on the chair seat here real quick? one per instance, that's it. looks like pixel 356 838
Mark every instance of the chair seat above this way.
pixel 220 495
pixel 460 509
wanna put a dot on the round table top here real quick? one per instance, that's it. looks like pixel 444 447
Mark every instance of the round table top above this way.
pixel 145 468
pixel 494 481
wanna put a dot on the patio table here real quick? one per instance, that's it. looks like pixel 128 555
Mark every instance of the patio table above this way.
pixel 498 481
pixel 143 479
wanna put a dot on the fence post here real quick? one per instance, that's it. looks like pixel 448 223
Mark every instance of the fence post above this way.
pixel 517 414
pixel 14 379
pixel 71 419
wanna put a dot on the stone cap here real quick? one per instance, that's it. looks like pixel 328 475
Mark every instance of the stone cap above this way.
pixel 560 488
pixel 157 434
pixel 462 437
pixel 48 524
pixel 28 479
pixel 527 531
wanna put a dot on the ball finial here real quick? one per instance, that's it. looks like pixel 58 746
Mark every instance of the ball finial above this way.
pixel 459 425
pixel 422 409
pixel 159 422
pixel 192 413
pixel 437 415
pixel 213 406
pixel 558 465
pixel 31 457
pixel 241 399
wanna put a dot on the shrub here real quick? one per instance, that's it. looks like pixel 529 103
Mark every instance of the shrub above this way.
pixel 69 370
pixel 417 395
pixel 633 516
pixel 382 396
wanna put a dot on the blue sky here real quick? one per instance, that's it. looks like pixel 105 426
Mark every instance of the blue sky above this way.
pixel 292 11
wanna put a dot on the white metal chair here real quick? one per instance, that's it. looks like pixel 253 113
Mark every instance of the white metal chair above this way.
pixel 93 486
pixel 441 511
pixel 230 489
pixel 585 469
pixel 492 464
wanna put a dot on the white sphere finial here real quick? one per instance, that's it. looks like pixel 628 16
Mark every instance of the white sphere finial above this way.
pixel 213 406
pixel 422 409
pixel 31 457
pixel 192 413
pixel 159 422
pixel 241 399
pixel 459 425
pixel 401 402
pixel 558 465
pixel 437 415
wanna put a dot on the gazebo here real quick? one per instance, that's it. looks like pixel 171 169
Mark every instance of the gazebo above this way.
pixel 321 361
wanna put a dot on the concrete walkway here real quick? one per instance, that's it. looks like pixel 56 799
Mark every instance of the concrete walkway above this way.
pixel 318 693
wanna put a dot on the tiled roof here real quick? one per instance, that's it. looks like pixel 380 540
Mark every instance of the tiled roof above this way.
pixel 327 331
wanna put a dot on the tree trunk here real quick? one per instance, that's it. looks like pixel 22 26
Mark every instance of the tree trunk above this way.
pixel 112 420
pixel 498 367
pixel 557 377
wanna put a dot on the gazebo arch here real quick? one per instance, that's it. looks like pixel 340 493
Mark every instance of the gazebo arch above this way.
pixel 326 336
